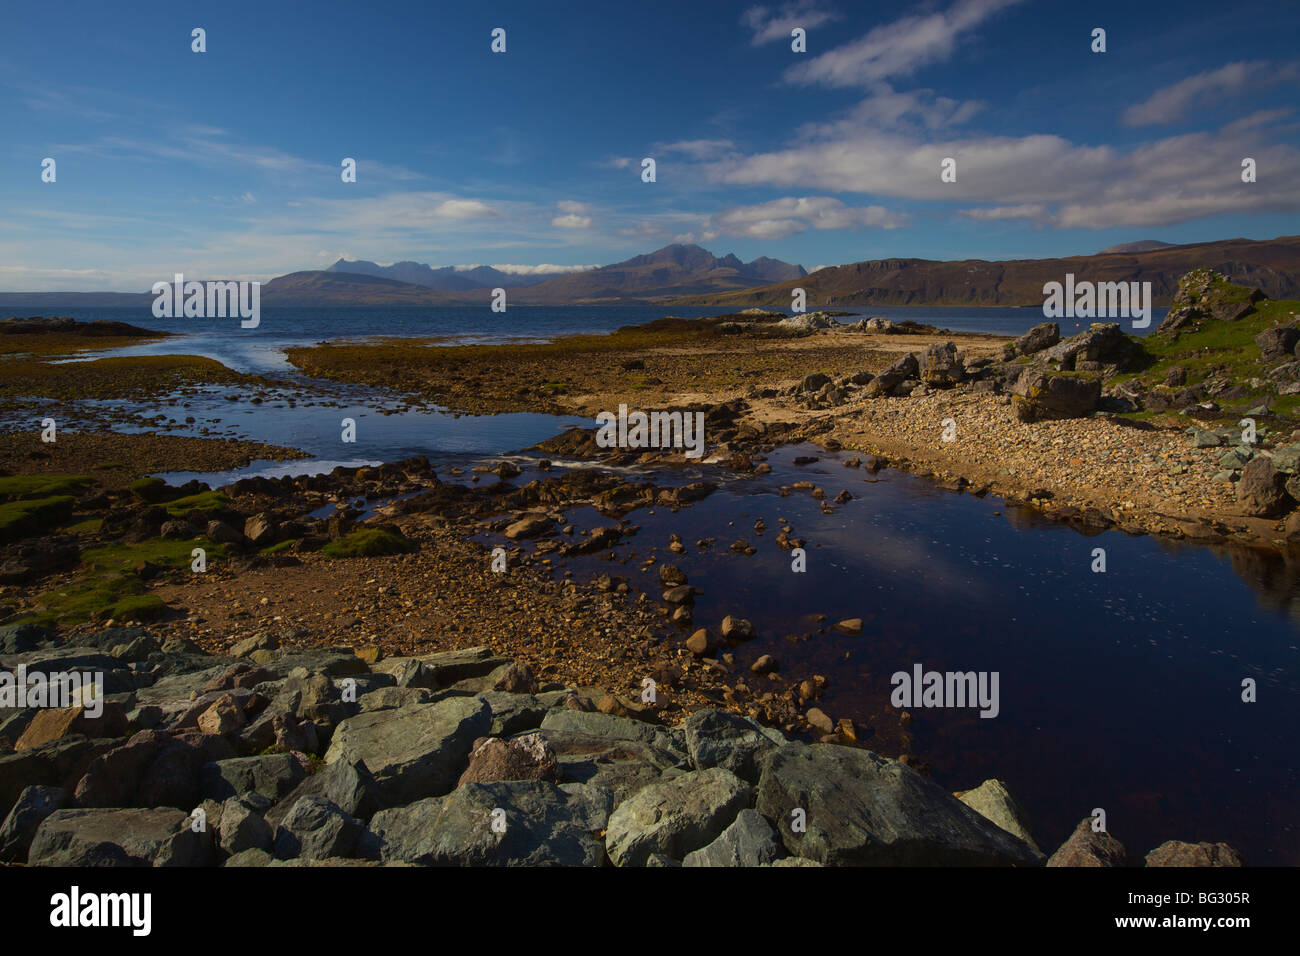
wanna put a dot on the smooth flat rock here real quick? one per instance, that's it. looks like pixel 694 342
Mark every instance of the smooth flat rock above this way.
pixel 138 837
pixel 865 810
pixel 415 751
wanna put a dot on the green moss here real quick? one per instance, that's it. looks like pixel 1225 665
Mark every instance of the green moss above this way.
pixel 279 546
pixel 20 519
pixel 1223 349
pixel 369 543
pixel 110 589
pixel 41 486
pixel 96 599
pixel 160 551
pixel 136 607
pixel 89 526
pixel 203 501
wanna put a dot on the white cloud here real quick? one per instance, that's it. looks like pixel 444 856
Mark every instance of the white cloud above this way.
pixel 786 217
pixel 571 221
pixel 1158 183
pixel 898 48
pixel 1173 102
pixel 769 24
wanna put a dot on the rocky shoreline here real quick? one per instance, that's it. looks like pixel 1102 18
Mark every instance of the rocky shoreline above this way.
pixel 272 756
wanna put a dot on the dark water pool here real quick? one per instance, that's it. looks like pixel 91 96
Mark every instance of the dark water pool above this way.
pixel 1120 690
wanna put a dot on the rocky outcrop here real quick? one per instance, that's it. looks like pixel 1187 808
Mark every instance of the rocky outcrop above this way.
pixel 941 367
pixel 1204 295
pixel 891 378
pixel 1039 395
pixel 846 807
pixel 485 766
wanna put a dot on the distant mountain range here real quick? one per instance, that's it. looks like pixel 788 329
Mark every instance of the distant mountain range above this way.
pixel 689 275
pixel 444 279
pixel 1272 265
pixel 669 272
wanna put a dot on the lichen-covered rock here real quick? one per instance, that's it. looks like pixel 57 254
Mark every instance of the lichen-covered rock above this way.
pixel 1039 395
pixel 415 751
pixel 674 816
pixel 514 823
pixel 940 367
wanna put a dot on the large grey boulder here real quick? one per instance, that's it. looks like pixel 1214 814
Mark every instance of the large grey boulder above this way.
pixel 242 827
pixel 271 775
pixel 137 837
pixel 316 829
pixel 860 809
pixel 900 371
pixel 749 841
pixel 1039 395
pixel 1277 343
pixel 674 816
pixel 716 738
pixel 19 827
pixel 1098 342
pixel 415 751
pixel 1041 336
pixel 940 366
pixel 511 823
pixel 1262 489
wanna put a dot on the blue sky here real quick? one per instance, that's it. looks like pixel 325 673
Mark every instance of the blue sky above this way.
pixel 227 163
